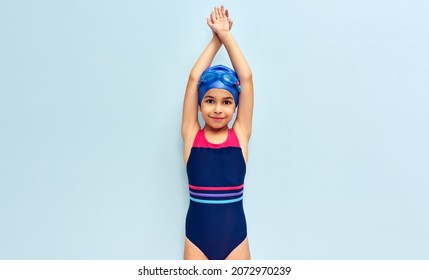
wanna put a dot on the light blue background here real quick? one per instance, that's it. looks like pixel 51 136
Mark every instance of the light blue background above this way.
pixel 90 108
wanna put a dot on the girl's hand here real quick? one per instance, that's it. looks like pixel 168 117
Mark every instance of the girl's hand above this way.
pixel 219 21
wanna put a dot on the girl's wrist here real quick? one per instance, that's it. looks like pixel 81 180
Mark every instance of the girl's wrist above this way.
pixel 216 39
pixel 224 34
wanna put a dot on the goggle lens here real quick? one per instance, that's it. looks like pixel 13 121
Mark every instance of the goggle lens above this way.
pixel 226 78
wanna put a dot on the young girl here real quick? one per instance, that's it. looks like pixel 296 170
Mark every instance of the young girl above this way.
pixel 216 155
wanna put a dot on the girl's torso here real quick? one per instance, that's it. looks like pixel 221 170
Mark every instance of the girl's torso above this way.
pixel 216 171
pixel 215 221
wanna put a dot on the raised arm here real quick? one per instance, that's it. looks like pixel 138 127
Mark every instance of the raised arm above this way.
pixel 190 123
pixel 219 24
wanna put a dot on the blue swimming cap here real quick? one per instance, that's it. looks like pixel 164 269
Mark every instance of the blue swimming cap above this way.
pixel 219 76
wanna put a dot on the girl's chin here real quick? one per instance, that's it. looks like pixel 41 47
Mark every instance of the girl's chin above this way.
pixel 216 125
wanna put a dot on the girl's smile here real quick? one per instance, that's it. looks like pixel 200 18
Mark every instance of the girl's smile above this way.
pixel 217 119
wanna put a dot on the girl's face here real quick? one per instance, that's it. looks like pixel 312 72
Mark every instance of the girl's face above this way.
pixel 217 108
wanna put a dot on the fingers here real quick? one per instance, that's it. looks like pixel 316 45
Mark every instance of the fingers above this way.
pixel 218 14
pixel 223 12
pixel 213 16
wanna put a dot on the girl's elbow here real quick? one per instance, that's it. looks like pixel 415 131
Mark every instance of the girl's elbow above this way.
pixel 247 76
pixel 193 77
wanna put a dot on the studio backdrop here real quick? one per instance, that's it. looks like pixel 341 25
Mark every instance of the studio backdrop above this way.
pixel 91 94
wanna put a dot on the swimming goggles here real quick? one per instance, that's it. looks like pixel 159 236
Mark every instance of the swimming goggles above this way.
pixel 225 78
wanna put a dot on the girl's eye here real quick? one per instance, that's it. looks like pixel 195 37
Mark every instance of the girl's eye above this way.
pixel 227 102
pixel 210 101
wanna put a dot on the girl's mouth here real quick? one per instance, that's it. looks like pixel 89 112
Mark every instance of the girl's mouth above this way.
pixel 217 119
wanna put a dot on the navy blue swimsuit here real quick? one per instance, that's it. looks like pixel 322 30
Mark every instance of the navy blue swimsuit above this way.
pixel 215 221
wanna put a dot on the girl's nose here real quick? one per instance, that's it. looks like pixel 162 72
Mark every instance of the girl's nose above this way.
pixel 218 108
